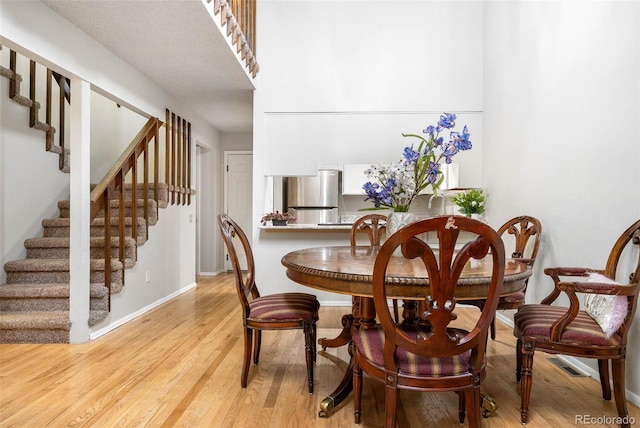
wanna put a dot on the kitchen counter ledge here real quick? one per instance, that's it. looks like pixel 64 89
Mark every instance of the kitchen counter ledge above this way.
pixel 306 227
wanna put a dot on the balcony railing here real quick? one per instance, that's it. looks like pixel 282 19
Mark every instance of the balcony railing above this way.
pixel 239 17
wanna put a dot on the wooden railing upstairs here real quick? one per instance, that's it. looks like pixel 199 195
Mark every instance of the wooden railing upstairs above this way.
pixel 146 152
pixel 56 96
pixel 239 16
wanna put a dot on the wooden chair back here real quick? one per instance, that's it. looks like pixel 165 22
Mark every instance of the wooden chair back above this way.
pixel 526 231
pixel 234 237
pixel 374 224
pixel 444 264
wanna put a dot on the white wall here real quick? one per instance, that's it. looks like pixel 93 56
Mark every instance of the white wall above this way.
pixel 113 128
pixel 340 81
pixel 561 122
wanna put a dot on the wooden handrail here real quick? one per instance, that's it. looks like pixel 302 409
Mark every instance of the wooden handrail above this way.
pixel 177 175
pixel 113 184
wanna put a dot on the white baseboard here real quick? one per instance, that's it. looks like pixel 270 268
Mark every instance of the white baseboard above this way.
pixel 216 273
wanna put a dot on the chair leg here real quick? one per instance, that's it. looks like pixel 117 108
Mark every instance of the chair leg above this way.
pixel 314 341
pixel 396 314
pixel 617 370
pixel 391 401
pixel 493 328
pixel 518 359
pixel 462 407
pixel 527 350
pixel 357 390
pixel 257 336
pixel 603 369
pixel 472 400
pixel 308 347
pixel 246 362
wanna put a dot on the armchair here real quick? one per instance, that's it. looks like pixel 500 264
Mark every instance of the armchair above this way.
pixel 574 330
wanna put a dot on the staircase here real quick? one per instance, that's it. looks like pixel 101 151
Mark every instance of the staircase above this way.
pixel 34 302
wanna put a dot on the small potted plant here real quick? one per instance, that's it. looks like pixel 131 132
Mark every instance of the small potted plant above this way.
pixel 277 218
pixel 470 202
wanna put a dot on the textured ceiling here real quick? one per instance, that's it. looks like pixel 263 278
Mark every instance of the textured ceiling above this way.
pixel 176 44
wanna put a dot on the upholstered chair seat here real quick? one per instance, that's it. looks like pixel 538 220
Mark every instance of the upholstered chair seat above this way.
pixel 284 307
pixel 536 320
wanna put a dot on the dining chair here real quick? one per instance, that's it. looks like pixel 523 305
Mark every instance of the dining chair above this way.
pixel 282 311
pixel 375 225
pixel 430 355
pixel 596 329
pixel 526 231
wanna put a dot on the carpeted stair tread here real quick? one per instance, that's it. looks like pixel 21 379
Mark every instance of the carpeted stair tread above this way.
pixel 114 204
pixel 28 297
pixel 60 226
pixel 56 290
pixel 37 320
pixel 96 316
pixel 99 221
pixel 63 242
pixel 53 265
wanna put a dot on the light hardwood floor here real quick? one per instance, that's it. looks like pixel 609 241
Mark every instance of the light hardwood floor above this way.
pixel 179 365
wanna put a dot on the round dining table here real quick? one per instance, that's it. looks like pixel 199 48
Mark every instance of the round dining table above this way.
pixel 349 270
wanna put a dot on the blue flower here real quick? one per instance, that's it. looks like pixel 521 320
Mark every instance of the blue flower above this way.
pixel 447 121
pixel 429 130
pixel 400 182
pixel 410 155
pixel 461 140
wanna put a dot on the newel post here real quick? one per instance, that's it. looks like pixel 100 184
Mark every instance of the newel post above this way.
pixel 80 192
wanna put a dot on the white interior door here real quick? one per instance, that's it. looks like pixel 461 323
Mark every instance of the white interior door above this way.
pixel 238 185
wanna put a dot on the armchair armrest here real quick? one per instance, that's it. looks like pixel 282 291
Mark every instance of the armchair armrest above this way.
pixel 556 272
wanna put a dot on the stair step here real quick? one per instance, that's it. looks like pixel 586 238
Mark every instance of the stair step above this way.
pixel 58 248
pixel 35 327
pixel 163 193
pixel 152 209
pixel 59 227
pixel 43 271
pixel 47 297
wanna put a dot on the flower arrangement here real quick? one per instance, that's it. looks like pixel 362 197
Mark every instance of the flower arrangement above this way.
pixel 276 217
pixel 395 186
pixel 470 202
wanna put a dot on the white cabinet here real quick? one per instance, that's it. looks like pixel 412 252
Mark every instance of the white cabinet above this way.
pixel 353 178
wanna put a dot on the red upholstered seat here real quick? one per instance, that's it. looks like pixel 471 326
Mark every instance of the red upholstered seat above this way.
pixel 370 343
pixel 284 307
pixel 536 321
